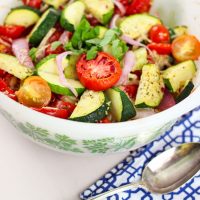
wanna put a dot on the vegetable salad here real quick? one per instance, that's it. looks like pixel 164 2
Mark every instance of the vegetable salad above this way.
pixel 95 61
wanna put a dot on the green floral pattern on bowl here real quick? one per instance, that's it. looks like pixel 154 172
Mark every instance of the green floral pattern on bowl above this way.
pixel 64 143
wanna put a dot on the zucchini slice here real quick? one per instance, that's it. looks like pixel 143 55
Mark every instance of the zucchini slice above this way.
pixel 22 16
pixel 70 70
pixel 122 108
pixel 11 65
pixel 177 76
pixel 141 59
pixel 138 25
pixel 46 22
pixel 47 69
pixel 72 15
pixel 101 10
pixel 55 3
pixel 92 107
pixel 186 91
pixel 150 91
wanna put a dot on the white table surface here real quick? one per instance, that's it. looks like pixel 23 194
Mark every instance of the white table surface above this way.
pixel 31 172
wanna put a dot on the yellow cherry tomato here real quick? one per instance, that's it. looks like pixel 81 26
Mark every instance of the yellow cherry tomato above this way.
pixel 186 47
pixel 35 92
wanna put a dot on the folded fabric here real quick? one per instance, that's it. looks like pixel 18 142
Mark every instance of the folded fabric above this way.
pixel 187 129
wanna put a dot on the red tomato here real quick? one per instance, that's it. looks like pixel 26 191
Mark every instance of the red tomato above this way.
pixel 58 50
pixel 186 47
pixel 12 31
pixel 159 34
pixel 56 112
pixel 64 105
pixel 6 90
pixel 105 121
pixel 160 48
pixel 100 73
pixel 167 101
pixel 57 34
pixel 138 6
pixel 131 90
pixel 2 73
pixel 92 20
pixel 33 3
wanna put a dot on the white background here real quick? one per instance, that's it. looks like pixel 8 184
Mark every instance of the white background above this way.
pixel 31 172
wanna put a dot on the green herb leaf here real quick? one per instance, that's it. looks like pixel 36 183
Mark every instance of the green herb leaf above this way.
pixel 55 45
pixel 119 48
pixel 109 36
pixel 92 53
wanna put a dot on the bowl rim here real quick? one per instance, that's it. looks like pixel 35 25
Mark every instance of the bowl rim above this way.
pixel 163 117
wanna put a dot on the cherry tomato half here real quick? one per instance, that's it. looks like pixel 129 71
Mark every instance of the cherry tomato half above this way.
pixel 64 105
pixel 12 31
pixel 160 48
pixel 159 34
pixel 186 47
pixel 131 90
pixel 105 121
pixel 100 73
pixel 33 3
pixel 6 90
pixel 55 112
pixel 35 92
pixel 50 51
pixel 138 6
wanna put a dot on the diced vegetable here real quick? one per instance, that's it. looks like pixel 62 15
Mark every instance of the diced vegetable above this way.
pixel 122 108
pixel 92 107
pixel 177 76
pixel 47 69
pixel 22 16
pixel 72 15
pixel 150 91
pixel 46 22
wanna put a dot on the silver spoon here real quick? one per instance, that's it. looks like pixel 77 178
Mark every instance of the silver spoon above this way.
pixel 166 172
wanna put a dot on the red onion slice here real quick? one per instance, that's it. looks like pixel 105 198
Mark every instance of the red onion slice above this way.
pixel 129 62
pixel 64 38
pixel 20 49
pixel 59 59
pixel 136 43
pixel 113 21
pixel 120 6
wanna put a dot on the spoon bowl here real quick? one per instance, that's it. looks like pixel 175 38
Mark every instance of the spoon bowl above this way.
pixel 167 171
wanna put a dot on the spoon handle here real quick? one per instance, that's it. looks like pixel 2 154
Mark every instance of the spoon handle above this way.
pixel 117 190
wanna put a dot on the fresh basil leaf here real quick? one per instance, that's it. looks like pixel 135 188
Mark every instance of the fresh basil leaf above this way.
pixel 110 35
pixel 119 48
pixel 92 53
pixel 55 45
pixel 94 41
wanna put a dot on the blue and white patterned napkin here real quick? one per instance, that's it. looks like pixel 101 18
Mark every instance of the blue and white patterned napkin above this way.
pixel 187 129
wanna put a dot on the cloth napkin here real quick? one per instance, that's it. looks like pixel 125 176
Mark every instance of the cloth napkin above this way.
pixel 187 129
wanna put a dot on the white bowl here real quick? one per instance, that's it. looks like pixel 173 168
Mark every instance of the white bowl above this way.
pixel 84 138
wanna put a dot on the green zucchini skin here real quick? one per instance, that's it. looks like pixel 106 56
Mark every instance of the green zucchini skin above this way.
pixel 138 25
pixel 11 65
pixel 91 115
pixel 122 107
pixel 47 69
pixel 185 92
pixel 72 15
pixel 46 22
pixel 177 76
pixel 150 91
pixel 23 16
